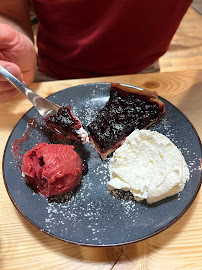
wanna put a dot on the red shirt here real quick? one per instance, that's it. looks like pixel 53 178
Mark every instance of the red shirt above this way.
pixel 85 38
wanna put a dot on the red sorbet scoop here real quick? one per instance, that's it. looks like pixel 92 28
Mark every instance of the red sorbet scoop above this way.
pixel 52 169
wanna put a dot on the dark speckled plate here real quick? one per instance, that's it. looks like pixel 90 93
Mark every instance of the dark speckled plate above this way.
pixel 92 216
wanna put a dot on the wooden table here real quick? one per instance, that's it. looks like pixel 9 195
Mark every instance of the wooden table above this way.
pixel 22 246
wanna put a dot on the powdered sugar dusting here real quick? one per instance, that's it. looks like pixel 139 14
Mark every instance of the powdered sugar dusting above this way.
pixel 92 215
pixel 94 206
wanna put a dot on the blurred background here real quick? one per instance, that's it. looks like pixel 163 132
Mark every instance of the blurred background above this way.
pixel 185 51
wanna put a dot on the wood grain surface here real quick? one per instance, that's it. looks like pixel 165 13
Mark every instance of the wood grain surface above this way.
pixel 22 246
pixel 184 52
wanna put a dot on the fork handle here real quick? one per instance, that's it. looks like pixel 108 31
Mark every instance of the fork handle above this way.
pixel 32 96
pixel 19 85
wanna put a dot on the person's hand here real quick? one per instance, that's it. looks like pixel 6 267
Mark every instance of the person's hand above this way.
pixel 18 56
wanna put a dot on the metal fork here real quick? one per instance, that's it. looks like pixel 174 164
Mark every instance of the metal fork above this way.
pixel 43 106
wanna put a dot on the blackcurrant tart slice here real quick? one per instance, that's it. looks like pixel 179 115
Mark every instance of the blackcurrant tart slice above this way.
pixel 66 123
pixel 127 109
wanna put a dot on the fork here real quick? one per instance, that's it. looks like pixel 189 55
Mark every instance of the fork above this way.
pixel 43 106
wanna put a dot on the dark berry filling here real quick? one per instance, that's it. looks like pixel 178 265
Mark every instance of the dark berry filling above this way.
pixel 123 113
pixel 63 121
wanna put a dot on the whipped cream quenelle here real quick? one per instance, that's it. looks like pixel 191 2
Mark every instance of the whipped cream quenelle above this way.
pixel 149 165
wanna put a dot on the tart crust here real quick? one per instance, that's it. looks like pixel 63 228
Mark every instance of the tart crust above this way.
pixel 151 95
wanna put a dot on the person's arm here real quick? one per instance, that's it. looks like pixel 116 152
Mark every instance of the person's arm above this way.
pixel 17 50
pixel 17 14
